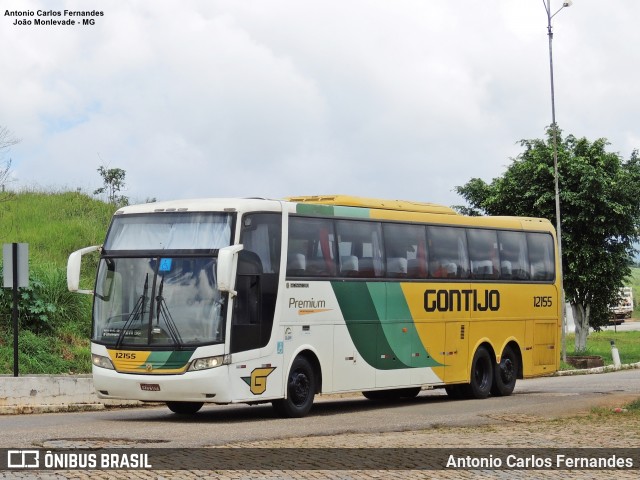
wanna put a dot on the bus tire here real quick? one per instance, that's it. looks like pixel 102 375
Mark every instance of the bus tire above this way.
pixel 301 389
pixel 409 392
pixel 505 373
pixel 455 392
pixel 185 408
pixel 376 395
pixel 481 375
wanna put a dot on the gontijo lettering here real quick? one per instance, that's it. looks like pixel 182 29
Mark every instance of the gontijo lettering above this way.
pixel 461 300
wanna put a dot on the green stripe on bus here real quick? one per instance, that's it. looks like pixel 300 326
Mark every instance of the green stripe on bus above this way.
pixel 356 212
pixel 311 209
pixel 406 344
pixel 332 211
pixel 362 317
pixel 169 359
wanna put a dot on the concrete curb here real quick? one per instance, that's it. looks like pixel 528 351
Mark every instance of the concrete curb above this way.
pixel 589 371
pixel 52 393
pixel 75 393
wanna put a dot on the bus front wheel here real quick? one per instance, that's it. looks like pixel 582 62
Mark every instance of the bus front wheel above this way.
pixel 481 375
pixel 301 389
pixel 185 408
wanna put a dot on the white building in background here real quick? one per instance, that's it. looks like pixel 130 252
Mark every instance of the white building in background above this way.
pixel 568 317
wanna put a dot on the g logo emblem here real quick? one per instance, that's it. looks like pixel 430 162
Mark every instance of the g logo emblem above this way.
pixel 258 380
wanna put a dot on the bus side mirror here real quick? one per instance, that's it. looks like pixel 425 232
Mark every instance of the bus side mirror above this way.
pixel 227 266
pixel 73 268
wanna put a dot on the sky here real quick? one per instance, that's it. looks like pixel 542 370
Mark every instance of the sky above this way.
pixel 398 99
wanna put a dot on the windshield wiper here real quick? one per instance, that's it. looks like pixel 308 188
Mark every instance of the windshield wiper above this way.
pixel 163 310
pixel 137 312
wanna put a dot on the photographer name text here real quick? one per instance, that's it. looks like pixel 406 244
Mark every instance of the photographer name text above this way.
pixel 63 18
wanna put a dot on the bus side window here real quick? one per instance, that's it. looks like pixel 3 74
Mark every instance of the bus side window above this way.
pixel 261 234
pixel 257 281
pixel 483 253
pixel 361 248
pixel 448 257
pixel 311 248
pixel 541 256
pixel 514 256
pixel 405 250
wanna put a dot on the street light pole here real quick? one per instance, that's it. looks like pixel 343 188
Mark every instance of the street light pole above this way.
pixel 547 6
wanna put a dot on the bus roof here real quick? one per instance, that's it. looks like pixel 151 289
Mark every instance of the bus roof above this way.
pixel 346 205
pixel 350 201
pixel 341 205
pixel 205 205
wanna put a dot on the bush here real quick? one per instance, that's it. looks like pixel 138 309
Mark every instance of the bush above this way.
pixel 46 303
pixel 54 326
pixel 41 354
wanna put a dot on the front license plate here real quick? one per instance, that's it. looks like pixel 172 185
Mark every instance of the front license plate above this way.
pixel 150 387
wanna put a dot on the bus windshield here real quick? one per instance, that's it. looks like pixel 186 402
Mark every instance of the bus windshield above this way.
pixel 156 282
pixel 157 301
pixel 169 231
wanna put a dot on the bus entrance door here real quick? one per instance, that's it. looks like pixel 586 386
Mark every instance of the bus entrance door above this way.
pixel 456 352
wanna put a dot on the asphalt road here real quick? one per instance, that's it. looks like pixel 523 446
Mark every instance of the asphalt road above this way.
pixel 627 326
pixel 221 425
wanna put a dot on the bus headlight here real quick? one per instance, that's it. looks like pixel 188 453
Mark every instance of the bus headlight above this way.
pixel 207 362
pixel 102 362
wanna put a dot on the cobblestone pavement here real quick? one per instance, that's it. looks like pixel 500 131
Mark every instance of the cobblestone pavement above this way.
pixel 597 429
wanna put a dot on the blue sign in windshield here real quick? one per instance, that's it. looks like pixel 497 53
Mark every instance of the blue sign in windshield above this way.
pixel 165 265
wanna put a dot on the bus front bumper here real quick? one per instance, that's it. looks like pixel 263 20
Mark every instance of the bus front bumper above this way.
pixel 211 385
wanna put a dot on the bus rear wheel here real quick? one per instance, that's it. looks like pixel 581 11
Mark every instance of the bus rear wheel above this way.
pixel 505 373
pixel 301 389
pixel 455 392
pixel 185 408
pixel 481 375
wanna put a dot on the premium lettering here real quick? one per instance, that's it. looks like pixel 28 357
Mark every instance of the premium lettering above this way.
pixel 312 303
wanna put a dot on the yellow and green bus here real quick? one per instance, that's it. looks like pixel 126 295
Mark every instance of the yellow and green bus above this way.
pixel 254 300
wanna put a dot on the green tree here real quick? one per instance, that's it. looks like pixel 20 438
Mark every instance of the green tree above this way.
pixel 600 215
pixel 113 182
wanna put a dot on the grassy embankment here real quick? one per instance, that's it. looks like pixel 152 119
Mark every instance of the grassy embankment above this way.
pixel 628 343
pixel 599 343
pixel 54 323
